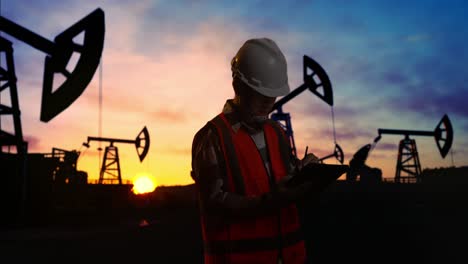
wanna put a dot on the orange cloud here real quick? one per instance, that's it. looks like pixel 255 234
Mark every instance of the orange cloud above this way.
pixel 171 116
pixel 34 143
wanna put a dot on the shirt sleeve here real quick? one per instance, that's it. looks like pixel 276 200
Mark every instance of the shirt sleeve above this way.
pixel 208 172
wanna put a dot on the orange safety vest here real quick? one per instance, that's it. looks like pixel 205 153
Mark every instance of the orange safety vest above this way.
pixel 263 238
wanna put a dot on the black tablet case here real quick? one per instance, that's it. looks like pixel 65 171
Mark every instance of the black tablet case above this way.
pixel 322 175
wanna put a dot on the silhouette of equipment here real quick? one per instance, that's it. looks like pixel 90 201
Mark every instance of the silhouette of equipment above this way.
pixel 25 170
pixel 408 168
pixel 317 81
pixel 8 76
pixel 358 167
pixel 66 170
pixel 58 56
pixel 110 169
pixel 319 175
pixel 337 153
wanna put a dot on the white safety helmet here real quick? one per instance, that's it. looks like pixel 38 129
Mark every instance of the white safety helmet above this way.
pixel 261 65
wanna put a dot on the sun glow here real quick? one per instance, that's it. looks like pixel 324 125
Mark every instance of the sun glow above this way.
pixel 143 184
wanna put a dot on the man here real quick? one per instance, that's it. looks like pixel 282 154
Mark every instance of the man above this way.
pixel 241 161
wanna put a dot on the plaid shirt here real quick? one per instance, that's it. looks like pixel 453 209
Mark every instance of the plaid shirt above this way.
pixel 208 169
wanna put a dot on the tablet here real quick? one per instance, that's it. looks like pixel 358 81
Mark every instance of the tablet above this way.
pixel 322 175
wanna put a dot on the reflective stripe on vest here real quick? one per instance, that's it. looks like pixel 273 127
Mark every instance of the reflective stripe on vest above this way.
pixel 283 142
pixel 232 164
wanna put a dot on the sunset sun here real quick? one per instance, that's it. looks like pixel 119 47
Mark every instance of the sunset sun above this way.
pixel 143 184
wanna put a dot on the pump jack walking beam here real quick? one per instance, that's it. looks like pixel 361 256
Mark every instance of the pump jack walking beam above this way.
pixel 443 134
pixel 315 78
pixel 317 81
pixel 59 53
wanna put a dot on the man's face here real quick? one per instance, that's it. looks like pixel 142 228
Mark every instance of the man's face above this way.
pixel 257 104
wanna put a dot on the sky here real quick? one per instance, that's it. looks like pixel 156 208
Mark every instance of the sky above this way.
pixel 166 65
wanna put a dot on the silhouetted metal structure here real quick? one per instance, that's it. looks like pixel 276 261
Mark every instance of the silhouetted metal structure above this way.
pixel 337 153
pixel 317 81
pixel 66 171
pixel 8 78
pixel 58 56
pixel 110 169
pixel 408 166
pixel 359 168
pixel 54 101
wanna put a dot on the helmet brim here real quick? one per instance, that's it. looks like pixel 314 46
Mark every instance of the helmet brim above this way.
pixel 282 91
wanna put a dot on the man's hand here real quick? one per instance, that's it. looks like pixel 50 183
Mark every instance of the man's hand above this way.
pixel 285 194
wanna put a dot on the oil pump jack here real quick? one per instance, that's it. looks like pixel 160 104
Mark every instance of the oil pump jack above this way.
pixel 58 52
pixel 110 169
pixel 408 157
pixel 337 153
pixel 408 167
pixel 317 81
pixel 358 167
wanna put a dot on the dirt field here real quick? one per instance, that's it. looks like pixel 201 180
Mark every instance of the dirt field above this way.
pixel 347 225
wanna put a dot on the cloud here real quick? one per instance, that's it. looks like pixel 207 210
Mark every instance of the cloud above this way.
pixel 430 83
pixel 34 143
pixel 170 116
pixel 375 155
pixel 130 106
pixel 386 146
pixel 417 37
pixel 395 77
pixel 433 103
pixel 344 134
